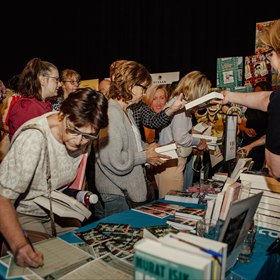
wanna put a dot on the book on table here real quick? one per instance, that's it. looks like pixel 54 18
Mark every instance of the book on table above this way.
pixel 154 260
pixel 241 165
pixel 64 205
pixel 190 213
pixel 199 103
pixel 168 150
pixel 155 232
pixel 181 196
pixel 195 244
pixel 181 223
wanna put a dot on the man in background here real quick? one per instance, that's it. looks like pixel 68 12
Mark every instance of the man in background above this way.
pixel 104 86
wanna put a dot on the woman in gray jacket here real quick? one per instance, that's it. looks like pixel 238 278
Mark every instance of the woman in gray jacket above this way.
pixel 120 153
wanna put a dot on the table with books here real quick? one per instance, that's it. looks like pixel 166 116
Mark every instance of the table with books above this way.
pixel 92 255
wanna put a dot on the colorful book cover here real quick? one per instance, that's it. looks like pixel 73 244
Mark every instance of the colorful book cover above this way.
pixel 229 71
pixel 161 231
pixel 109 227
pixel 167 205
pixel 126 241
pixel 152 212
pixel 191 213
pixel 92 236
pixel 257 68
pixel 181 222
pixel 260 47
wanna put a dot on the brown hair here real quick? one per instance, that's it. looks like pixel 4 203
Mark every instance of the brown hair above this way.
pixel 127 75
pixel 271 36
pixel 84 106
pixel 193 85
pixel 114 66
pixel 65 74
pixel 30 84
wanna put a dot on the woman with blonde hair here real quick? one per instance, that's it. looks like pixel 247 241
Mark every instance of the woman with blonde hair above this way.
pixel 170 175
pixel 266 101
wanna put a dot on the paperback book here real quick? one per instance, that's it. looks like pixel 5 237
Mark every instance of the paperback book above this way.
pixel 190 213
pixel 109 227
pixel 181 223
pixel 92 236
pixel 150 211
pixel 155 232
pixel 182 196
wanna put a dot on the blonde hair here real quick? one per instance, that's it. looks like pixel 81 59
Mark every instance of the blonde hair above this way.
pixel 270 36
pixel 193 85
pixel 113 67
pixel 153 91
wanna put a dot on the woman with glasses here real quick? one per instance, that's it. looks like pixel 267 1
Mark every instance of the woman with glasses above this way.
pixel 266 101
pixel 120 153
pixel 23 175
pixel 70 81
pixel 39 81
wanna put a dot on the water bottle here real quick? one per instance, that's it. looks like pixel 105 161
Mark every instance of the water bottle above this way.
pixel 85 197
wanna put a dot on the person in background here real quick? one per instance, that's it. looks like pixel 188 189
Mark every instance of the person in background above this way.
pixel 70 81
pixel 254 125
pixel 23 175
pixel 156 101
pixel 170 175
pixel 104 86
pixel 266 101
pixel 39 80
pixel 2 91
pixel 120 153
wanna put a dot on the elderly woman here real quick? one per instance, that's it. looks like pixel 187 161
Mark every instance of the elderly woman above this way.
pixel 70 81
pixel 23 175
pixel 170 175
pixel 120 153
pixel 39 81
pixel 266 101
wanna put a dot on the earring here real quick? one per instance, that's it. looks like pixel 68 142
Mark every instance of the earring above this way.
pixel 60 118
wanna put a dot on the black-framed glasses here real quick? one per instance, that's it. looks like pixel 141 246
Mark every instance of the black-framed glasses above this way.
pixel 75 132
pixel 268 54
pixel 143 87
pixel 56 78
pixel 73 82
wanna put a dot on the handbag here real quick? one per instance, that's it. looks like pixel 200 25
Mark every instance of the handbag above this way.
pixel 150 193
pixel 181 150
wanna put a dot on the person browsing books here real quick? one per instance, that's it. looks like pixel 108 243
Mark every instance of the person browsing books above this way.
pixel 266 101
pixel 120 153
pixel 170 175
pixel 62 137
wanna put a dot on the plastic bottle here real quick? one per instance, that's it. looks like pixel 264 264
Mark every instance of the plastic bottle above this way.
pixel 85 197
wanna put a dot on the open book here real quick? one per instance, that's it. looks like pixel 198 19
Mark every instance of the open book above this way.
pixel 199 103
pixel 64 205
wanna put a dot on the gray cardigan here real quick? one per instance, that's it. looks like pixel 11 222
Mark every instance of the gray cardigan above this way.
pixel 118 162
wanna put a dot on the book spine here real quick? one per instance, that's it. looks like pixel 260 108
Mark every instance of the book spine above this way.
pixel 266 193
pixel 210 208
pixel 268 206
pixel 218 205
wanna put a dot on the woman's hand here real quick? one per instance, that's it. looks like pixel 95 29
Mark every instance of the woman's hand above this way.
pixel 203 145
pixel 26 257
pixel 153 157
pixel 226 99
pixel 250 132
pixel 247 149
pixel 177 105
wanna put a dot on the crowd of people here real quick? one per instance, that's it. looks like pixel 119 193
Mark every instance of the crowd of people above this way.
pixel 50 122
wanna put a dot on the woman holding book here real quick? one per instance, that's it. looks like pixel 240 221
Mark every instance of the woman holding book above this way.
pixel 266 101
pixel 54 141
pixel 170 175
pixel 120 153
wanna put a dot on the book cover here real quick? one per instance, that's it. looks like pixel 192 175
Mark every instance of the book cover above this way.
pixel 157 207
pixel 154 260
pixel 257 68
pixel 190 213
pixel 109 227
pixel 155 232
pixel 258 176
pixel 229 71
pixel 166 205
pixel 181 196
pixel 92 236
pixel 181 223
pixel 152 212
pixel 218 206
pixel 199 103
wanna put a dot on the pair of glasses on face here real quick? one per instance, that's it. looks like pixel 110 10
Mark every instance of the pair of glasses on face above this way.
pixel 73 82
pixel 74 132
pixel 143 87
pixel 268 54
pixel 56 78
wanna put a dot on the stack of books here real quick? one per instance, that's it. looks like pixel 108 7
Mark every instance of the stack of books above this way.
pixel 182 196
pixel 268 210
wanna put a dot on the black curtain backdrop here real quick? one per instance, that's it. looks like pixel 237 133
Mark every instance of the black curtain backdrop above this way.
pixel 163 35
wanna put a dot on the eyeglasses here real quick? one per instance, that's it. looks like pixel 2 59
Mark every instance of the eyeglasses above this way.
pixel 74 132
pixel 268 54
pixel 143 87
pixel 72 82
pixel 56 78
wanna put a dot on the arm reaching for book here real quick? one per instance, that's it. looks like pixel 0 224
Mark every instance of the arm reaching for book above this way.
pixel 177 105
pixel 11 230
pixel 255 100
pixel 249 147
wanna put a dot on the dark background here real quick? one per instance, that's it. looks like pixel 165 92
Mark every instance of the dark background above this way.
pixel 163 35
